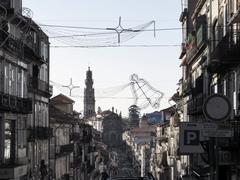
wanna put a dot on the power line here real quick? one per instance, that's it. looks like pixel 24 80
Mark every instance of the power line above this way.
pixel 118 46
pixel 72 27
pixel 112 97
pixel 79 35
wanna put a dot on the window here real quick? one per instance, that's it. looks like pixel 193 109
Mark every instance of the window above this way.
pixel 1 75
pixel 24 83
pixel 34 37
pixel 9 149
pixel 6 78
pixel 42 73
pixel 225 20
pixel 19 83
pixel 44 51
pixel 22 133
pixel 13 80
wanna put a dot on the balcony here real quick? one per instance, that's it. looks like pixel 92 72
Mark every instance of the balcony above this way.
pixel 198 86
pixel 13 171
pixel 201 32
pixel 5 5
pixel 15 104
pixel 33 52
pixel 41 86
pixel 40 133
pixel 74 136
pixel 186 87
pixel 227 51
pixel 62 150
pixel 11 44
pixel 24 105
pixel 194 106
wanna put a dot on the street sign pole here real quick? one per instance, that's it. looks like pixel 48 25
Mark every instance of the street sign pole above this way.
pixel 211 157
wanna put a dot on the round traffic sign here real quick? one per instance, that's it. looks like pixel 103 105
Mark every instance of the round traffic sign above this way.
pixel 217 107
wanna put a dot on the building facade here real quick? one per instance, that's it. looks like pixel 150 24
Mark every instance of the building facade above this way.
pixel 25 92
pixel 210 63
pixel 112 129
pixel 140 140
pixel 62 122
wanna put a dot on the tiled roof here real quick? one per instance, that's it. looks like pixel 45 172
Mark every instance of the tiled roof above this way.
pixel 59 99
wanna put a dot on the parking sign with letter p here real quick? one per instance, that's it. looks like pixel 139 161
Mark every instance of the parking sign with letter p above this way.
pixel 189 139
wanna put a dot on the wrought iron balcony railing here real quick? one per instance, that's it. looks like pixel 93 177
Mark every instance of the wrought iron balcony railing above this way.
pixel 6 7
pixel 10 43
pixel 195 105
pixel 15 104
pixel 227 50
pixel 40 133
pixel 62 150
pixel 41 86
pixel 186 87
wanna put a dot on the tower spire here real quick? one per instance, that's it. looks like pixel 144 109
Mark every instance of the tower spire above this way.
pixel 89 96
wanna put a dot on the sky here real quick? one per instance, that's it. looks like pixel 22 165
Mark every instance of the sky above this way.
pixel 112 66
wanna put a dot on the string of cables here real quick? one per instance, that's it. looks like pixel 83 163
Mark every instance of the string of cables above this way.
pixel 93 37
pixel 79 36
pixel 89 36
pixel 143 94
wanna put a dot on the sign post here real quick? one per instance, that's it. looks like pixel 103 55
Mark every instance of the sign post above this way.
pixel 216 108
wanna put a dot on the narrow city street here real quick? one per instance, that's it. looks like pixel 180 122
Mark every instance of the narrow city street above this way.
pixel 120 90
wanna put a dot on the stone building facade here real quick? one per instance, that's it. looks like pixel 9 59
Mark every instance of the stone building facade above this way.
pixel 112 129
pixel 210 63
pixel 24 94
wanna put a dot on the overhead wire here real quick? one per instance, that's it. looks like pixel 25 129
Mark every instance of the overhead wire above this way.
pixel 105 29
pixel 64 37
pixel 75 37
pixel 117 46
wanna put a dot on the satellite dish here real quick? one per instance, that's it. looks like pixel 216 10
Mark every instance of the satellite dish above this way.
pixel 27 12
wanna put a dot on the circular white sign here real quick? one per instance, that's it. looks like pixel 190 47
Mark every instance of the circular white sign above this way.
pixel 217 107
